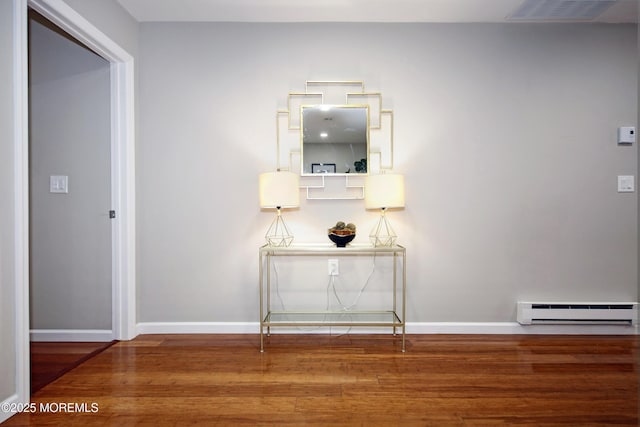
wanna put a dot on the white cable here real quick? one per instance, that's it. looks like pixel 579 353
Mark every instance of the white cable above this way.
pixel 357 298
pixel 347 309
pixel 275 270
pixel 331 285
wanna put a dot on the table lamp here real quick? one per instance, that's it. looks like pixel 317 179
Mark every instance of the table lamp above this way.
pixel 279 190
pixel 381 192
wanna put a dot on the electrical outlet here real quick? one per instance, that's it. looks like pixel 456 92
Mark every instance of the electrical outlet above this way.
pixel 334 267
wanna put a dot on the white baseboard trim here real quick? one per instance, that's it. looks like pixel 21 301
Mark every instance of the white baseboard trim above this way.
pixel 71 335
pixel 12 404
pixel 197 328
pixel 412 328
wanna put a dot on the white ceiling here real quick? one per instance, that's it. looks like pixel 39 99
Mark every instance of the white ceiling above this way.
pixel 620 11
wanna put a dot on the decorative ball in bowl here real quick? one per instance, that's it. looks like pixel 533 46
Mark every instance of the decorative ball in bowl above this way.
pixel 341 234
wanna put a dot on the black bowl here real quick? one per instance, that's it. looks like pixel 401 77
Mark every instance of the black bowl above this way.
pixel 340 240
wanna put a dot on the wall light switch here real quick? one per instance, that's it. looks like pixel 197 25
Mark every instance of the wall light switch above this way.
pixel 626 135
pixel 626 184
pixel 58 184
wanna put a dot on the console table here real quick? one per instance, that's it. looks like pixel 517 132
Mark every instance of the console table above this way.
pixel 392 315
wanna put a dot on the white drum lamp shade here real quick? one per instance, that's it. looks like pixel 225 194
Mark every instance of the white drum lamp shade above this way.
pixel 382 192
pixel 279 190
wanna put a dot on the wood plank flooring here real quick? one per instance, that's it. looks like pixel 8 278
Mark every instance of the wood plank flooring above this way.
pixel 50 360
pixel 442 380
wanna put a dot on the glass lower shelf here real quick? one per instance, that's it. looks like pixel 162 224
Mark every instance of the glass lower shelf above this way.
pixel 332 318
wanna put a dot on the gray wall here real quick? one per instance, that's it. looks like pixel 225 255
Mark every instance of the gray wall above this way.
pixel 69 135
pixel 505 133
pixel 7 259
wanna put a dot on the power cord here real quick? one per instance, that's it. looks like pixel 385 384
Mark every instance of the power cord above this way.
pixel 331 286
pixel 364 286
pixel 347 309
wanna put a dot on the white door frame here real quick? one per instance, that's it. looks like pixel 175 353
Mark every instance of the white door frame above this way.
pixel 122 173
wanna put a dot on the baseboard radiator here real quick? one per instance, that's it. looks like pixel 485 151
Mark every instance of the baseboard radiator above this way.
pixel 583 313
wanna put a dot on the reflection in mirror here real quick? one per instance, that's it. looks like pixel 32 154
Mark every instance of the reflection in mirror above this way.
pixel 335 139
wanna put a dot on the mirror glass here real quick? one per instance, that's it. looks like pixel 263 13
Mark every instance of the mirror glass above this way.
pixel 335 139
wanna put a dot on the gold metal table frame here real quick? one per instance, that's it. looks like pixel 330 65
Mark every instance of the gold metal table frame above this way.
pixel 393 318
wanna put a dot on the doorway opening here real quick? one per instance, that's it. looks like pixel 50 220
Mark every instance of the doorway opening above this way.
pixel 121 65
pixel 70 262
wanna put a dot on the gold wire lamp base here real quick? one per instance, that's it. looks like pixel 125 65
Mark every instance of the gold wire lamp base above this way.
pixel 278 234
pixel 383 234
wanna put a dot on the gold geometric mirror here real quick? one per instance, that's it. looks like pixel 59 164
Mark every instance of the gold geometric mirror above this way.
pixel 333 134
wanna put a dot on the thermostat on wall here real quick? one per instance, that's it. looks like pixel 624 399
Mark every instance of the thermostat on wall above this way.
pixel 626 135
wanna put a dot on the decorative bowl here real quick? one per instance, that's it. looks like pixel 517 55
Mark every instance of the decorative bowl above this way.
pixel 341 240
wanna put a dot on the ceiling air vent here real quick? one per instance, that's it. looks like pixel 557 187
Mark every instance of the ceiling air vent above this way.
pixel 560 10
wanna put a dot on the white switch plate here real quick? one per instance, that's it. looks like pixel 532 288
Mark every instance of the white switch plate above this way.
pixel 58 184
pixel 626 184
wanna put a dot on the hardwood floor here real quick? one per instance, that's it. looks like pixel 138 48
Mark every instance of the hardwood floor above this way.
pixel 442 380
pixel 50 360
